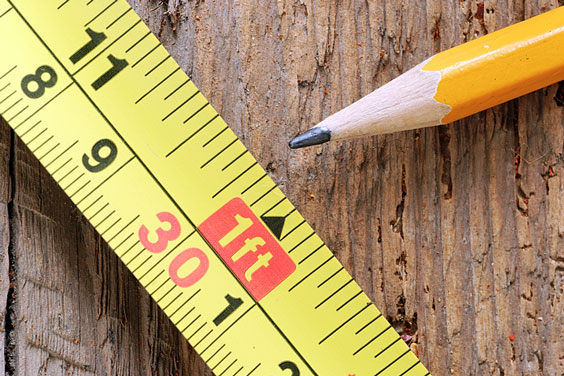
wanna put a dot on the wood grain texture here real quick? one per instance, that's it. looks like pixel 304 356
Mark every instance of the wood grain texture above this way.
pixel 455 232
pixel 5 234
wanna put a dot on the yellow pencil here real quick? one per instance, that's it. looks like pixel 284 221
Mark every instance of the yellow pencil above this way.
pixel 455 83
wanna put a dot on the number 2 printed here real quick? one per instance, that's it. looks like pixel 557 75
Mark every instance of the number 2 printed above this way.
pixel 290 366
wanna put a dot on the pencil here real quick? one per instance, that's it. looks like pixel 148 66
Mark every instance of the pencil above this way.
pixel 455 83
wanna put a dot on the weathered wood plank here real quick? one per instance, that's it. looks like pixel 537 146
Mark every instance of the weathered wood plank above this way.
pixel 455 232
pixel 5 236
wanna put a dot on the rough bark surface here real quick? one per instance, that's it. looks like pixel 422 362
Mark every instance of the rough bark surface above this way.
pixel 455 232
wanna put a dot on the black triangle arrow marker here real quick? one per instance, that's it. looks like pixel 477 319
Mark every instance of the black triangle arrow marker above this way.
pixel 275 224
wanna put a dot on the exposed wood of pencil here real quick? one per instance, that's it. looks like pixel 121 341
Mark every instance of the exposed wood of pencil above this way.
pixel 456 83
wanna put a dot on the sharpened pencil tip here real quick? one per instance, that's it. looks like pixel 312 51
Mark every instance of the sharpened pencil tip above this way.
pixel 314 136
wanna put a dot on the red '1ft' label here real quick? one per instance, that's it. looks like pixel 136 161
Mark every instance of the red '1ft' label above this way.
pixel 248 248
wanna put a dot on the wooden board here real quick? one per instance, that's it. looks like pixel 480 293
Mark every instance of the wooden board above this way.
pixel 456 232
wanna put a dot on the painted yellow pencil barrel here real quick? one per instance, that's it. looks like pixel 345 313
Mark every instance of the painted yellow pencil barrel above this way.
pixel 501 66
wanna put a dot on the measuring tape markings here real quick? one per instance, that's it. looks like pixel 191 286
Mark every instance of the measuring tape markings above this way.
pixel 152 196
pixel 227 158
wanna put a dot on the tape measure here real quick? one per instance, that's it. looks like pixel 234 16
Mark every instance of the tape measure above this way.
pixel 171 189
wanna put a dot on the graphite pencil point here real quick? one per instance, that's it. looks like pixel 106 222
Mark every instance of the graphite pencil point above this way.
pixel 314 136
pixel 456 83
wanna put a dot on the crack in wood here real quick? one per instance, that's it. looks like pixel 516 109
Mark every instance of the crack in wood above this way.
pixel 37 343
pixel 10 316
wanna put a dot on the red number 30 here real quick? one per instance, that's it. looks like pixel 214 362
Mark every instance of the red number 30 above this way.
pixel 164 237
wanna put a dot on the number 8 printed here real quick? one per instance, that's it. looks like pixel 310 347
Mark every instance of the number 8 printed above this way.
pixel 40 83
